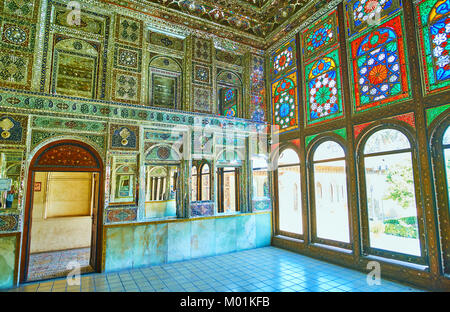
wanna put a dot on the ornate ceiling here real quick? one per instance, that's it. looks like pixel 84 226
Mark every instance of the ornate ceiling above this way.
pixel 249 21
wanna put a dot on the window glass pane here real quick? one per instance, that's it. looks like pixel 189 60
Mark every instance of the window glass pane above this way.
pixel 288 157
pixel 205 186
pixel 194 184
pixel 260 184
pixel 331 201
pixel 205 169
pixel 229 190
pixel 289 200
pixel 446 139
pixel 447 168
pixel 391 203
pixel 328 150
pixel 260 196
pixel 386 140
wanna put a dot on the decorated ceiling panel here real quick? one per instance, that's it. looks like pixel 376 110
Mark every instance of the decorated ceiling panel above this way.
pixel 241 18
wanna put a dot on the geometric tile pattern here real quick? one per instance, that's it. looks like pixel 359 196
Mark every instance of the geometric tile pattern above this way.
pixel 267 269
pixel 15 69
pixel 54 264
pixel 127 58
pixel 18 35
pixel 9 223
pixel 121 215
pixel 201 73
pixel 24 9
pixel 166 41
pixel 126 87
pixel 129 30
pixel 202 99
pixel 201 50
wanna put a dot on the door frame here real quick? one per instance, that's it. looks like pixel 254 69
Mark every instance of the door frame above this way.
pixel 97 221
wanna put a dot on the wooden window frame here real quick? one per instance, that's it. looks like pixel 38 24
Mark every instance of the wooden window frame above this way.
pixel 441 193
pixel 365 232
pixel 276 207
pixel 220 192
pixel 312 193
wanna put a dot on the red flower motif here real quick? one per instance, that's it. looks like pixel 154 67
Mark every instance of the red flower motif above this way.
pixel 378 74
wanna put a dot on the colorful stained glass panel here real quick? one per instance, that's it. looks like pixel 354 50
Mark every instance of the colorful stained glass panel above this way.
pixel 228 102
pixel 434 34
pixel 283 60
pixel 379 68
pixel 284 103
pixel 323 97
pixel 322 35
pixel 367 13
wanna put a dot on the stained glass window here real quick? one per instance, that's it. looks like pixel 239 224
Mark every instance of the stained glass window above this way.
pixel 322 35
pixel 283 60
pixel 322 76
pixel 284 98
pixel 229 93
pixel 283 65
pixel 323 89
pixel 379 69
pixel 434 33
pixel 366 13
pixel 228 102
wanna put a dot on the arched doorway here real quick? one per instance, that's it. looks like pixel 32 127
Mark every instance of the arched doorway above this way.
pixel 61 163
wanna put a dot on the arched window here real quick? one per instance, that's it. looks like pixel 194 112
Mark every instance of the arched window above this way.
pixel 194 184
pixel 390 194
pixel 289 193
pixel 446 147
pixel 441 166
pixel 205 178
pixel 229 89
pixel 330 211
pixel 228 189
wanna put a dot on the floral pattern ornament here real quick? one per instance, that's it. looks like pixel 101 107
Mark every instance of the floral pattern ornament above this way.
pixel 284 99
pixel 228 102
pixel 283 60
pixel 323 94
pixel 434 32
pixel 367 13
pixel 379 67
pixel 322 35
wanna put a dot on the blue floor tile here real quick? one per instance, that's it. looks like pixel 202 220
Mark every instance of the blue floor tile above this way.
pixel 267 269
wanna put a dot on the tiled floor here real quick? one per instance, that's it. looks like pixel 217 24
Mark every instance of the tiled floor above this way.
pixel 54 264
pixel 266 269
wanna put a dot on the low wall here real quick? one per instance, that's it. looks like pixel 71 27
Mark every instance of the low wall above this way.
pixel 8 257
pixel 136 245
